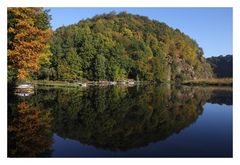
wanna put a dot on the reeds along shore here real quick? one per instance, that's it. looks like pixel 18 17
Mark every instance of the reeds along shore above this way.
pixel 210 82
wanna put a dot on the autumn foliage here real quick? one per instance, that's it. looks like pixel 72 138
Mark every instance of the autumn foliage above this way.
pixel 29 131
pixel 28 34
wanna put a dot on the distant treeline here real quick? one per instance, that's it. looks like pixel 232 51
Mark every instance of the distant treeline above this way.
pixel 222 65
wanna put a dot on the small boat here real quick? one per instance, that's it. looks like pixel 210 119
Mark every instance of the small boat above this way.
pixel 24 90
pixel 112 83
pixel 24 94
pixel 82 84
pixel 121 82
pixel 130 81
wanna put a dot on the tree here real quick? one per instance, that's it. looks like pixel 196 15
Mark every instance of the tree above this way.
pixel 28 34
pixel 70 67
pixel 100 67
pixel 160 69
pixel 28 125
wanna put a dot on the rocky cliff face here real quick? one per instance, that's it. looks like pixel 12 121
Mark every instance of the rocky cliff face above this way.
pixel 185 71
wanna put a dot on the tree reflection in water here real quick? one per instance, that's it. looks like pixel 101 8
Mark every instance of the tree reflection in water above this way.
pixel 29 131
pixel 113 118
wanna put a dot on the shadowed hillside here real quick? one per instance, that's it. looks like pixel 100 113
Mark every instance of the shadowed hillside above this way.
pixel 222 65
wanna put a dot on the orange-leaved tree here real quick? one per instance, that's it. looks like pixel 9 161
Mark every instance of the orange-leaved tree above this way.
pixel 28 33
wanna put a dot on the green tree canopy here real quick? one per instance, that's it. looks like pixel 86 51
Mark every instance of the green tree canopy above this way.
pixel 117 46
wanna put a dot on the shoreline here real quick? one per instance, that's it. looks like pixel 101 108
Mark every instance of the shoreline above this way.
pixel 226 82
pixel 210 82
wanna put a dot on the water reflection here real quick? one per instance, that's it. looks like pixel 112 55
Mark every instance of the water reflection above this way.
pixel 29 131
pixel 111 118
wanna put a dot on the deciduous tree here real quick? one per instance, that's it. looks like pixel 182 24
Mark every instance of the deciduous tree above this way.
pixel 28 34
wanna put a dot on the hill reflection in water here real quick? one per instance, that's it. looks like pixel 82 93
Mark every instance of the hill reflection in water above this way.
pixel 110 118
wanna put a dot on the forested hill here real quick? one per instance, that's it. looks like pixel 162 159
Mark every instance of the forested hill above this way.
pixel 222 65
pixel 118 46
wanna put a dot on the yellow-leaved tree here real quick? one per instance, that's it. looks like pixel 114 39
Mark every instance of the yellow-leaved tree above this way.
pixel 28 34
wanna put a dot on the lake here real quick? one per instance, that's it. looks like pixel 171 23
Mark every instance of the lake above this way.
pixel 118 121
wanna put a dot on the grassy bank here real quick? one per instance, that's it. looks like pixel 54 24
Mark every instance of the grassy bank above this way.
pixel 55 84
pixel 200 82
pixel 209 82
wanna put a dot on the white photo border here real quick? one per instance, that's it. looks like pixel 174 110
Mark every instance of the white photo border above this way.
pixel 235 4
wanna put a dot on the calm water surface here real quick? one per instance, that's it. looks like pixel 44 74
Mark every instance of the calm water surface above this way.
pixel 139 121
